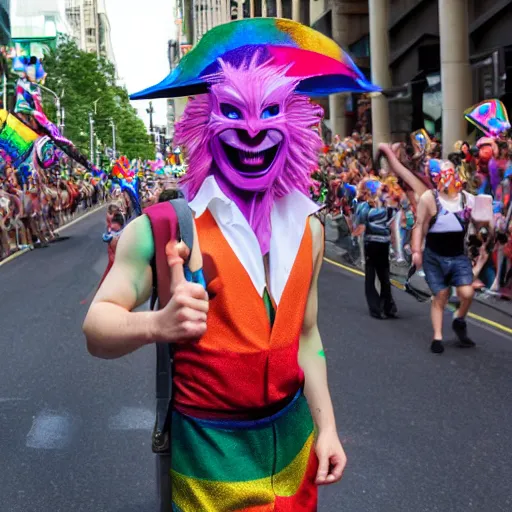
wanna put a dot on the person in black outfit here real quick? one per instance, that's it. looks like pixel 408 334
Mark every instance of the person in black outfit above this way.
pixel 374 219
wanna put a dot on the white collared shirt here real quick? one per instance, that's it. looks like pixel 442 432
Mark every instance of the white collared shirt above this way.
pixel 288 218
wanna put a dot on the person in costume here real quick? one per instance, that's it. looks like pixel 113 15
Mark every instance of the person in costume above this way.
pixel 442 222
pixel 253 426
pixel 374 218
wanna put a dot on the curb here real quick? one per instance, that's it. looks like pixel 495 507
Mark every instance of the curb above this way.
pixel 17 254
pixel 85 215
pixel 473 316
pixel 332 255
pixel 13 257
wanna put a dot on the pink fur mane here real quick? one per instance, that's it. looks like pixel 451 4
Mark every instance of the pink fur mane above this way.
pixel 249 82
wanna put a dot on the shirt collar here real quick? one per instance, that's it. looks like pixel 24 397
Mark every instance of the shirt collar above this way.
pixel 209 192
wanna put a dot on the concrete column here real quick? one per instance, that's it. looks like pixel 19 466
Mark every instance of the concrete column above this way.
pixel 379 53
pixel 196 11
pixel 209 13
pixel 240 10
pixel 263 8
pixel 337 115
pixel 340 33
pixel 251 8
pixel 279 8
pixel 216 17
pixel 296 10
pixel 456 83
pixel 204 16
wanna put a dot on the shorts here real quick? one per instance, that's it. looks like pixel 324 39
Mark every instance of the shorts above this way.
pixel 442 272
pixel 245 466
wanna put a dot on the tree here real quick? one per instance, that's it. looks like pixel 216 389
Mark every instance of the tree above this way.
pixel 85 79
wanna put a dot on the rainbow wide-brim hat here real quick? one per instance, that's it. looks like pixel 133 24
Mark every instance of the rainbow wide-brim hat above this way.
pixel 319 64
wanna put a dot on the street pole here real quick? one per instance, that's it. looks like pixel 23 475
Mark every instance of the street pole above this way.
pixel 59 113
pixel 63 120
pixel 113 137
pixel 5 92
pixel 98 144
pixel 91 139
pixel 57 104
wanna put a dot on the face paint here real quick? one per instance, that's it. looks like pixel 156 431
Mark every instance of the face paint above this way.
pixel 449 181
pixel 253 133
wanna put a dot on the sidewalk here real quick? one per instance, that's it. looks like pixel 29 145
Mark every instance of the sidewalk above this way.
pixel 335 251
pixel 79 216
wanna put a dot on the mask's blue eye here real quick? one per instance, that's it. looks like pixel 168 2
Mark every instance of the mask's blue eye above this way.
pixel 230 112
pixel 269 112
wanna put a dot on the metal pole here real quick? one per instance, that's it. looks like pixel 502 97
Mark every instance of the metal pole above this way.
pixel 91 138
pixel 113 137
pixel 97 152
pixel 63 120
pixel 59 113
pixel 5 91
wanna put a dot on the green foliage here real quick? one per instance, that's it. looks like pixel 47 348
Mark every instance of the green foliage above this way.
pixel 85 78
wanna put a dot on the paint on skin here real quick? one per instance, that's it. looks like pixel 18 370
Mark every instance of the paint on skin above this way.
pixel 321 353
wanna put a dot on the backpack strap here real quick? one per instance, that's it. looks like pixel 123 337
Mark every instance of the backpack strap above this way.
pixel 435 193
pixel 171 220
pixel 165 227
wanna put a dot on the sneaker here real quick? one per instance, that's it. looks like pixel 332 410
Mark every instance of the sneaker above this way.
pixel 437 347
pixel 460 328
pixel 392 313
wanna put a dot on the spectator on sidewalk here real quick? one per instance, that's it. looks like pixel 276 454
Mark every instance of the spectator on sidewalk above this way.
pixel 111 238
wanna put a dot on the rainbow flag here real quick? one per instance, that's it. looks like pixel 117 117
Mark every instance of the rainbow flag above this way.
pixel 245 466
pixel 16 138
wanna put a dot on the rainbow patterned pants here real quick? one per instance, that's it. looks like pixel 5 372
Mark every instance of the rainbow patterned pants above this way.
pixel 267 465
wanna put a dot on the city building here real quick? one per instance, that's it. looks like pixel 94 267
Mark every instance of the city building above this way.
pixel 470 40
pixel 405 46
pixel 5 22
pixel 90 26
pixel 35 26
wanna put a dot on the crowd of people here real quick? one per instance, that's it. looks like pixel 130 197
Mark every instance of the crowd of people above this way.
pixel 348 177
pixel 32 211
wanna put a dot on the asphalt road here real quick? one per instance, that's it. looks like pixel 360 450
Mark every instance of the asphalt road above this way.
pixel 423 433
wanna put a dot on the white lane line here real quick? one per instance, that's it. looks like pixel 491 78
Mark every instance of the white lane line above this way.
pixel 50 431
pixel 132 418
pixel 81 217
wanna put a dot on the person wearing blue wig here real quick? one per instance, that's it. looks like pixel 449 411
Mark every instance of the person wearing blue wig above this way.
pixel 374 219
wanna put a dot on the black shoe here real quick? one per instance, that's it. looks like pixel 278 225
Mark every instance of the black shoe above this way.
pixel 437 347
pixel 460 328
pixel 377 314
pixel 392 313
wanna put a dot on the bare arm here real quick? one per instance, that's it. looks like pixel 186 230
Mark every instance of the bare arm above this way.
pixel 311 351
pixel 426 210
pixel 402 172
pixel 111 329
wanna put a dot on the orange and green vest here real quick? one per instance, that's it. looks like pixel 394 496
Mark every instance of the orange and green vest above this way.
pixel 245 363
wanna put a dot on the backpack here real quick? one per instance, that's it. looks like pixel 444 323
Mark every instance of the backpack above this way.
pixel 170 220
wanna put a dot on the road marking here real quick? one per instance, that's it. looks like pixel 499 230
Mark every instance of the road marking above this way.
pixel 50 431
pixel 84 216
pixel 400 286
pixel 13 256
pixel 132 418
pixel 19 253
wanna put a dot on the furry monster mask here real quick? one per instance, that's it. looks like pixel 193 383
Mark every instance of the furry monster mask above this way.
pixel 255 135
